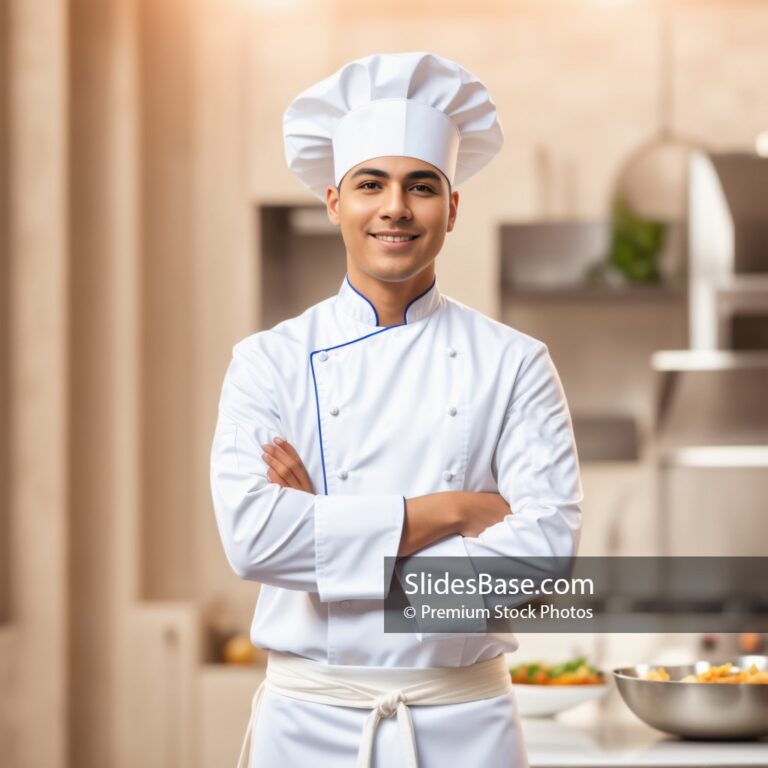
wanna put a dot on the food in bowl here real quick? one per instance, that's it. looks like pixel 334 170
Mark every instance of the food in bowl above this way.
pixel 703 711
pixel 575 672
pixel 544 690
pixel 724 673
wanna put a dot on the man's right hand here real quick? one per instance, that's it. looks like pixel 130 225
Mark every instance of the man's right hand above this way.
pixel 437 515
pixel 478 511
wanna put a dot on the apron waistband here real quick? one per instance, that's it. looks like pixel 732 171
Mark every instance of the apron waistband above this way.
pixel 386 691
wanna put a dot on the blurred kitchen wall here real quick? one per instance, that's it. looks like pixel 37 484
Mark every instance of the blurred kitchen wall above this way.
pixel 138 139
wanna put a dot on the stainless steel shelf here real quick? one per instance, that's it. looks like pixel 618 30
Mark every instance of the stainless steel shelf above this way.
pixel 716 456
pixel 675 361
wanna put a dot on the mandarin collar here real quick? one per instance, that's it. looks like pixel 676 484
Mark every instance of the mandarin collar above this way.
pixel 355 304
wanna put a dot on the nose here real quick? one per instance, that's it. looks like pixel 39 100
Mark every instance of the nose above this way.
pixel 394 206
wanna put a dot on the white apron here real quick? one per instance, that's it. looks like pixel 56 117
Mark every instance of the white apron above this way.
pixel 449 400
pixel 384 692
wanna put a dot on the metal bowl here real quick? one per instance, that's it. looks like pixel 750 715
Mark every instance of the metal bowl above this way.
pixel 698 710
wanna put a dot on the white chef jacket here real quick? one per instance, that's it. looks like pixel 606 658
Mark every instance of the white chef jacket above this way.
pixel 448 400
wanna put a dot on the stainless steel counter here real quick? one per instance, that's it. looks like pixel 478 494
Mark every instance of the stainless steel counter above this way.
pixel 606 733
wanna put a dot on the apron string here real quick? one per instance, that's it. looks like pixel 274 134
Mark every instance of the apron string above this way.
pixel 245 750
pixel 386 706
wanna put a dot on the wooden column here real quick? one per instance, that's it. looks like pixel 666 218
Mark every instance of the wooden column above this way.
pixel 225 263
pixel 168 343
pixel 104 401
pixel 4 318
pixel 37 386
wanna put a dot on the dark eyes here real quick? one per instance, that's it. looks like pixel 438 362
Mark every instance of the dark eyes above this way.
pixel 418 188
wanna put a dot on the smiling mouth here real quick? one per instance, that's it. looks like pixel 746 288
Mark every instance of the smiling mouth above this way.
pixel 395 238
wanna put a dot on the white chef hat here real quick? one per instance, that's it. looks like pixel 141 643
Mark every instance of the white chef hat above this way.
pixel 405 104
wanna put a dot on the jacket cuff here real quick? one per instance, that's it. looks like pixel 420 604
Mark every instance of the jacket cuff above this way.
pixel 353 536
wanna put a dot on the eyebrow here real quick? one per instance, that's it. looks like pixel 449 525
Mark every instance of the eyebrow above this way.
pixel 378 173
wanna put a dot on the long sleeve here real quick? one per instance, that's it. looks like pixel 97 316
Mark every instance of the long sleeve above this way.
pixel 536 469
pixel 333 545
pixel 537 472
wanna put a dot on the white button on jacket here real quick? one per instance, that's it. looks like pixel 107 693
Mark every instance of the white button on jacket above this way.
pixel 511 434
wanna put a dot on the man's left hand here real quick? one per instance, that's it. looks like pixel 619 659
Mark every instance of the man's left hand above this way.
pixel 285 466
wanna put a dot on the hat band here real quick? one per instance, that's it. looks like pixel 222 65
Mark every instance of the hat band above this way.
pixel 399 128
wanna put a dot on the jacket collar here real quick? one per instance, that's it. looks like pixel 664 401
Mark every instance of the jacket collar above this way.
pixel 353 303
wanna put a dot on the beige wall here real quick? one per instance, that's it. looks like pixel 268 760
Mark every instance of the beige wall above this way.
pixel 133 268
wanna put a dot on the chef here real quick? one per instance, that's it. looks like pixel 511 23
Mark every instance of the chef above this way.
pixel 387 421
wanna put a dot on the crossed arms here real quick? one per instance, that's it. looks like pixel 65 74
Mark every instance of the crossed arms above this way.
pixel 277 531
pixel 427 519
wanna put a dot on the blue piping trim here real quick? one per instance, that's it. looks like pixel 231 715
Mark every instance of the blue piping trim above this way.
pixel 319 428
pixel 317 396
pixel 362 338
pixel 412 301
pixel 375 313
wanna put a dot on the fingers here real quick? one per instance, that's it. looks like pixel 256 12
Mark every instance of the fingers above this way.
pixel 285 467
pixel 273 477
pixel 279 462
pixel 295 462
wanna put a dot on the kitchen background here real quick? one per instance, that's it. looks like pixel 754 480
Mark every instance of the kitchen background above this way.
pixel 148 222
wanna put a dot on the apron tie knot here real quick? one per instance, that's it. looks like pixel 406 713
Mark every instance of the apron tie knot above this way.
pixel 387 704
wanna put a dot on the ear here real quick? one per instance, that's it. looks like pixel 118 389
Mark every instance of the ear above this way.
pixel 332 205
pixel 453 207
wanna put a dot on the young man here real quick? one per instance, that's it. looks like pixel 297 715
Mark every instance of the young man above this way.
pixel 388 420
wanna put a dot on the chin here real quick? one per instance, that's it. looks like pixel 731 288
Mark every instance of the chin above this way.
pixel 396 269
pixel 395 275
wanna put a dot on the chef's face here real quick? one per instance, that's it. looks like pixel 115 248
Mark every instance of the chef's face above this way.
pixel 393 213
